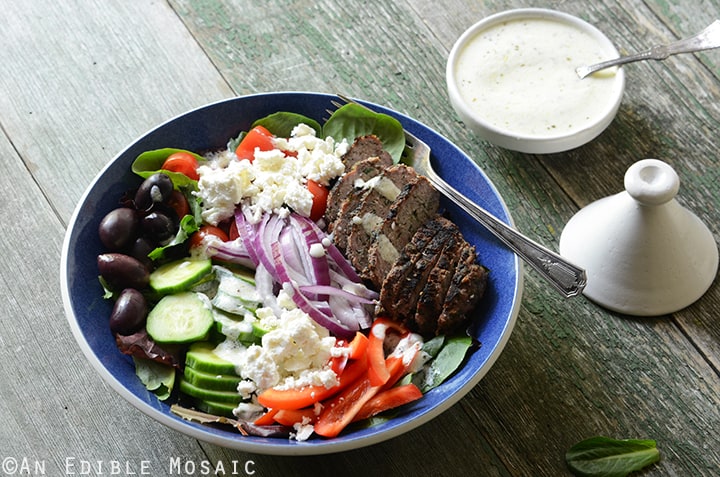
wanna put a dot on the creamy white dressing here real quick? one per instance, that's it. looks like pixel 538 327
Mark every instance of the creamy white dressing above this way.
pixel 520 76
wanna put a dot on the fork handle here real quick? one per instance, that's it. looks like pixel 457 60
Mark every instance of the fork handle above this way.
pixel 707 39
pixel 568 278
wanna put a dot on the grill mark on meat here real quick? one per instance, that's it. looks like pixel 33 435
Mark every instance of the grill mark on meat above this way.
pixel 432 296
pixel 369 215
pixel 401 288
pixel 466 289
pixel 417 203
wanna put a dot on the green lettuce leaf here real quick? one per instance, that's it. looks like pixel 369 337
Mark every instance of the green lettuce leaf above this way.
pixel 449 358
pixel 150 162
pixel 352 120
pixel 188 225
pixel 281 124
pixel 157 378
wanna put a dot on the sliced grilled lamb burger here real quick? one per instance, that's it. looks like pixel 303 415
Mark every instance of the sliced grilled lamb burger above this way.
pixel 415 205
pixel 382 192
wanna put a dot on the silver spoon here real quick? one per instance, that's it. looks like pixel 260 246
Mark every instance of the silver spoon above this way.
pixel 705 40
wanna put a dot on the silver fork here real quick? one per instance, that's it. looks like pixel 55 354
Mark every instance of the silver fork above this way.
pixel 566 277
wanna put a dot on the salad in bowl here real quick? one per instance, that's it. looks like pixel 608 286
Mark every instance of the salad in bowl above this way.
pixel 288 286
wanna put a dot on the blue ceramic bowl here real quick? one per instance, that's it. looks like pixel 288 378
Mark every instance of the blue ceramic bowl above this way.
pixel 209 128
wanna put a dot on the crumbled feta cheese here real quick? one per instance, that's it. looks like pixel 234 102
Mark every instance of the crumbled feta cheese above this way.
pixel 221 188
pixel 285 301
pixel 274 181
pixel 247 410
pixel 294 353
pixel 304 430
pixel 298 344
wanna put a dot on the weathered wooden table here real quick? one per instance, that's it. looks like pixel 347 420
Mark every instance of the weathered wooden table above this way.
pixel 80 79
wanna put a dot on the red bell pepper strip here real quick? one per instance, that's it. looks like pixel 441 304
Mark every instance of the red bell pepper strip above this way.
pixel 377 369
pixel 293 399
pixel 340 410
pixel 288 417
pixel 267 419
pixel 358 346
pixel 353 350
pixel 388 399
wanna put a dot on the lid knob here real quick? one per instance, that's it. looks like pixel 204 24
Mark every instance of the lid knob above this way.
pixel 652 182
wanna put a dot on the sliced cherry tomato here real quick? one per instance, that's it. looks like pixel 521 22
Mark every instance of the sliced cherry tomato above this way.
pixel 300 398
pixel 257 138
pixel 179 203
pixel 388 399
pixel 205 230
pixel 320 196
pixel 182 162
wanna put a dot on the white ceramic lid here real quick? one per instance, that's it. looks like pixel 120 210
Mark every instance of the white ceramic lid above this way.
pixel 644 254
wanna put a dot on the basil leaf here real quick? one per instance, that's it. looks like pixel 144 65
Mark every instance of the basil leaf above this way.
pixel 449 359
pixel 351 121
pixel 605 457
pixel 150 162
pixel 282 123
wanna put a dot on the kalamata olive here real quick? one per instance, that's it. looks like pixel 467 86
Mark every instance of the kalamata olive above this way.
pixel 122 271
pixel 119 228
pixel 156 189
pixel 140 249
pixel 159 227
pixel 129 313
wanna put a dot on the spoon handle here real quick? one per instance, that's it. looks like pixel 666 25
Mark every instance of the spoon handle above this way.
pixel 707 39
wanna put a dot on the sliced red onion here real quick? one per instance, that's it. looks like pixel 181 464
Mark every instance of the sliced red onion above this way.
pixel 233 251
pixel 247 234
pixel 324 285
pixel 312 236
pixel 335 291
pixel 327 321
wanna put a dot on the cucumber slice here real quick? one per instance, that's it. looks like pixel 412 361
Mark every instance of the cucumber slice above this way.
pixel 230 304
pixel 211 381
pixel 259 329
pixel 229 397
pixel 240 286
pixel 237 271
pixel 201 357
pixel 235 327
pixel 215 408
pixel 179 275
pixel 180 318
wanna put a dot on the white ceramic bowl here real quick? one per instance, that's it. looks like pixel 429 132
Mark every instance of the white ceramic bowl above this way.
pixel 511 79
pixel 207 129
